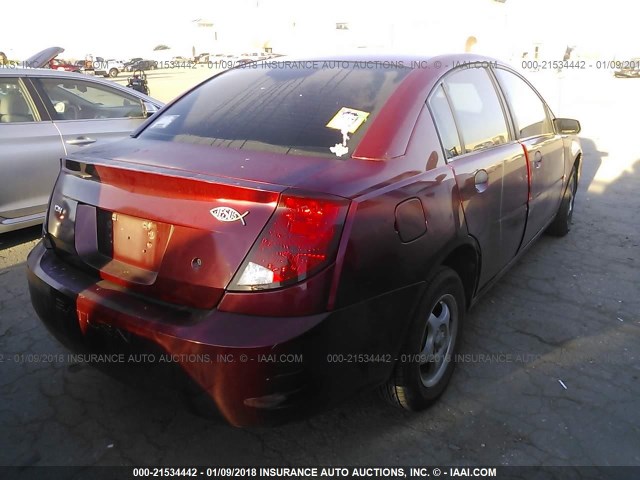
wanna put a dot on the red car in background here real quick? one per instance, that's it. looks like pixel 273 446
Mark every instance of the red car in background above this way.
pixel 291 232
pixel 56 64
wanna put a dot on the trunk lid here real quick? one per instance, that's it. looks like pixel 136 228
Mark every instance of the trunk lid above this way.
pixel 42 58
pixel 172 234
pixel 176 221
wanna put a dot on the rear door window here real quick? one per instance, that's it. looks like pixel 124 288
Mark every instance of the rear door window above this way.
pixel 272 107
pixel 529 112
pixel 477 109
pixel 445 124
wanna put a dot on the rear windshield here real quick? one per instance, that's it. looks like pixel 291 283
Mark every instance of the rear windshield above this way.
pixel 282 107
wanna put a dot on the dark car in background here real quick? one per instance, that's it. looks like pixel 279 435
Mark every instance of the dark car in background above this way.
pixel 288 236
pixel 130 62
pixel 141 65
pixel 203 57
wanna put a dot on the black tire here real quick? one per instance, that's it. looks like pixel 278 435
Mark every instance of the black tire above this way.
pixel 561 225
pixel 423 372
pixel 113 72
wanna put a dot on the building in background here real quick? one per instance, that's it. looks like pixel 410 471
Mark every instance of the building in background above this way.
pixel 507 29
pixel 204 36
pixel 287 26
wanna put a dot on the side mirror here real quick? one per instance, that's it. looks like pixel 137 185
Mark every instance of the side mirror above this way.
pixel 567 126
pixel 148 109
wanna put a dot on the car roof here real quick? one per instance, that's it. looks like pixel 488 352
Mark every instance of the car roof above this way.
pixel 40 72
pixel 45 72
pixel 43 57
pixel 407 59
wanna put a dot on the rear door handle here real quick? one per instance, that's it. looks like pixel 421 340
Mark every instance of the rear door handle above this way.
pixel 481 180
pixel 81 141
pixel 537 159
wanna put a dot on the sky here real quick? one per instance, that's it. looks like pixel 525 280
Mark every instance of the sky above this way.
pixel 125 28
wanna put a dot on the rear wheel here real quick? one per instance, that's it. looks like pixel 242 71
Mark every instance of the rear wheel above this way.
pixel 562 223
pixel 113 72
pixel 428 358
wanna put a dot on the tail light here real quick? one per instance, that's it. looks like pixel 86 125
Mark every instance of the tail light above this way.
pixel 300 239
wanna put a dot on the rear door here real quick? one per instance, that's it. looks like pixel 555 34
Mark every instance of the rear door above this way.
pixel 474 130
pixel 89 113
pixel 534 129
pixel 30 151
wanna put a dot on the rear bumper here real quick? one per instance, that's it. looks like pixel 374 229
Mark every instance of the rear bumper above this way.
pixel 256 370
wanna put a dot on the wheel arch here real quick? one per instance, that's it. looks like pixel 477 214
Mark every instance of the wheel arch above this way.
pixel 573 156
pixel 464 259
pixel 577 165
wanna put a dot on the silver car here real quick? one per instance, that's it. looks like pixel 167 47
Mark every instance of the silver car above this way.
pixel 47 114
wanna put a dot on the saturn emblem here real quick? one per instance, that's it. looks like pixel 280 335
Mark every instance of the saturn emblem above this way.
pixel 228 214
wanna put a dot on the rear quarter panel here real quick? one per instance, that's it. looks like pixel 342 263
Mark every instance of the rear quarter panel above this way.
pixel 380 276
pixel 375 259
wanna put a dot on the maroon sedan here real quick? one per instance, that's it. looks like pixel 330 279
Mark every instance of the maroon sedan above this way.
pixel 290 232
